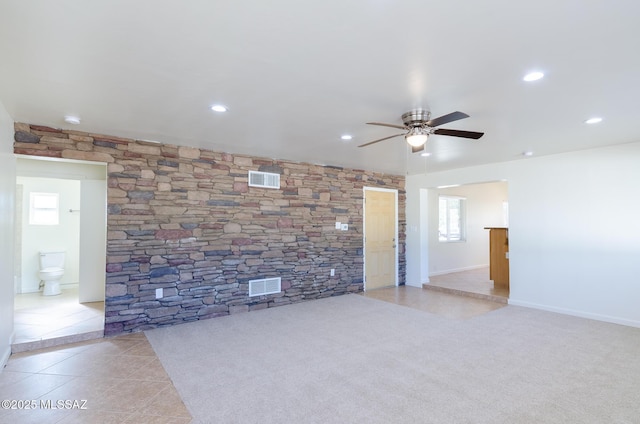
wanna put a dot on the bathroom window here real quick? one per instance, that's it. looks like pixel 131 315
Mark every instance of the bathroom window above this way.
pixel 451 219
pixel 43 209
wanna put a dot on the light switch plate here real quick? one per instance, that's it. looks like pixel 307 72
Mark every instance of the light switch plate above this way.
pixel 338 225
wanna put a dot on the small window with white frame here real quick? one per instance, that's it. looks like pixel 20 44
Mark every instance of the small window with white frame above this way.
pixel 451 219
pixel 43 209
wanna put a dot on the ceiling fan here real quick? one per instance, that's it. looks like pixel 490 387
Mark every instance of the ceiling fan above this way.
pixel 419 127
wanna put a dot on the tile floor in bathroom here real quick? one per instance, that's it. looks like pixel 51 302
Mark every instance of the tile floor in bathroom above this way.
pixel 38 318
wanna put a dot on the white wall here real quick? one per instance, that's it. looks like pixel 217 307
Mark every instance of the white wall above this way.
pixel 7 197
pixel 574 238
pixel 53 238
pixel 483 209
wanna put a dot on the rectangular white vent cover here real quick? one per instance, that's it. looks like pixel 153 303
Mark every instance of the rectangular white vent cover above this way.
pixel 264 286
pixel 264 179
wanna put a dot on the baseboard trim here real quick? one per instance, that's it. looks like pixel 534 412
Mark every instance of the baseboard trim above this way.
pixel 6 353
pixel 449 271
pixel 572 312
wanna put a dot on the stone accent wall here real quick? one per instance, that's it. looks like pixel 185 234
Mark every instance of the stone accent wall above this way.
pixel 185 220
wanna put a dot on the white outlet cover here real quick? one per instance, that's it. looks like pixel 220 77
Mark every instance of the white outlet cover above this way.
pixel 344 227
pixel 338 225
pixel 159 293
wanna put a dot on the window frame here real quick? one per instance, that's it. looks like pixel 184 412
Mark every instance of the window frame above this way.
pixel 462 219
pixel 37 215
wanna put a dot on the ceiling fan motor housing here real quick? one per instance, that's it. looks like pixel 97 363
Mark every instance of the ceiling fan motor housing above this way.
pixel 416 117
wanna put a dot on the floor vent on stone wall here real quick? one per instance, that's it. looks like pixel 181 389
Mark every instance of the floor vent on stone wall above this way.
pixel 264 286
pixel 264 179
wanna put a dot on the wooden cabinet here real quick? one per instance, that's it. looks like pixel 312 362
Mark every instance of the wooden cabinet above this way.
pixel 499 256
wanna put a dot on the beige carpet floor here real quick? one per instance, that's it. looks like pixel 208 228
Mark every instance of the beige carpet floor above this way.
pixel 351 359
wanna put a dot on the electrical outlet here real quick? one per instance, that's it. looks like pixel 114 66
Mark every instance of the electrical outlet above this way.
pixel 159 293
pixel 333 272
pixel 344 227
pixel 338 224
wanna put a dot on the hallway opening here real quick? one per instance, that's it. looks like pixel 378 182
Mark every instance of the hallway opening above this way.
pixel 60 212
pixel 459 219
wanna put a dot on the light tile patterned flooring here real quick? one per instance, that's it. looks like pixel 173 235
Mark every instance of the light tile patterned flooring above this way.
pixel 40 318
pixel 123 381
pixel 439 303
pixel 120 378
pixel 472 283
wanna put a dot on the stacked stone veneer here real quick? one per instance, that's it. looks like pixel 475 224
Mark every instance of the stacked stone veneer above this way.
pixel 185 220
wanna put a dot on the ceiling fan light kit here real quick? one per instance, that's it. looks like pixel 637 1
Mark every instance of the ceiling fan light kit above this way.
pixel 419 126
pixel 417 137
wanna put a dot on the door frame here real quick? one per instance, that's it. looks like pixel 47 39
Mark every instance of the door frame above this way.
pixel 77 175
pixel 364 233
pixel 93 240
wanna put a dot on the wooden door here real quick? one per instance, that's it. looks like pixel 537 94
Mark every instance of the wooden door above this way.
pixel 380 239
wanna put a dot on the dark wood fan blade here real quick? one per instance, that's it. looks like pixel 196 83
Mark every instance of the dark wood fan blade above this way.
pixel 459 133
pixel 380 139
pixel 400 127
pixel 445 119
pixel 417 149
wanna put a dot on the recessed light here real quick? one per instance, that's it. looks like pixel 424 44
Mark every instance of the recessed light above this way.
pixel 533 76
pixel 219 108
pixel 593 120
pixel 425 154
pixel 346 137
pixel 527 153
pixel 72 120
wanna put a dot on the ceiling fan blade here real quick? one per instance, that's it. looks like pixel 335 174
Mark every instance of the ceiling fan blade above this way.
pixel 400 127
pixel 380 139
pixel 459 133
pixel 445 119
pixel 417 149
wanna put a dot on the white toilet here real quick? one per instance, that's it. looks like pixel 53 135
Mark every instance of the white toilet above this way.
pixel 51 271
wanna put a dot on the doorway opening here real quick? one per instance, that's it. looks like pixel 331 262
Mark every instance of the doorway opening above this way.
pixel 460 248
pixel 60 240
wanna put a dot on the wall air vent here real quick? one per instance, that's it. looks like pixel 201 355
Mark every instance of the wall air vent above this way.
pixel 264 179
pixel 264 286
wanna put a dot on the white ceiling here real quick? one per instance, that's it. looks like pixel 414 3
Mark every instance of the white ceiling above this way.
pixel 296 75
